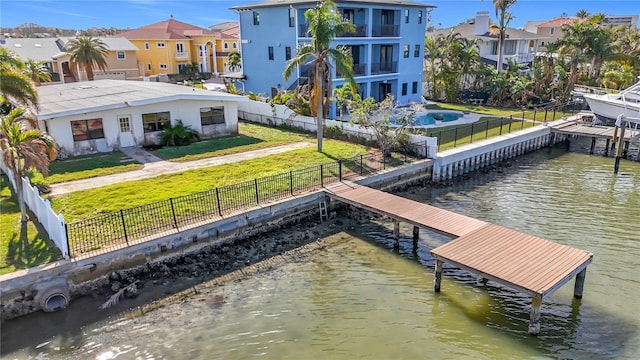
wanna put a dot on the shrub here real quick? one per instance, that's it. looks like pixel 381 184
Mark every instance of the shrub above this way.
pixel 178 135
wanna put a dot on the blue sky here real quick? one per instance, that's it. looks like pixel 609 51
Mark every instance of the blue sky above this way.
pixel 83 14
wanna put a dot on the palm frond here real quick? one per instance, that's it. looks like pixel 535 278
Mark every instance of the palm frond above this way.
pixel 115 298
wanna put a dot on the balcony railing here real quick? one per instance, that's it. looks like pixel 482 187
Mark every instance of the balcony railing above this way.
pixel 358 70
pixel 360 31
pixel 182 55
pixel 384 67
pixel 386 31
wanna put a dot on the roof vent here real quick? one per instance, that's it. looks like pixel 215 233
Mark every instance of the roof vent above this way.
pixel 17 45
pixel 38 45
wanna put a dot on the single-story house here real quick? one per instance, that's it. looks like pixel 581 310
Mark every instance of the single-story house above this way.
pixel 106 115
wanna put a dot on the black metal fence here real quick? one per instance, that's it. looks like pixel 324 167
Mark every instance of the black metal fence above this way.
pixel 467 134
pixel 123 226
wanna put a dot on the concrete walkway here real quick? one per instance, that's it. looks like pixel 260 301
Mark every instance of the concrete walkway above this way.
pixel 154 166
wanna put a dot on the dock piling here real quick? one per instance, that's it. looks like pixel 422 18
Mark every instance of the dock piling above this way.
pixel 416 236
pixel 396 234
pixel 534 320
pixel 579 286
pixel 438 276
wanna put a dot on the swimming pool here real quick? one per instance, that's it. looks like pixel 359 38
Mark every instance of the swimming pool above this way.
pixel 434 117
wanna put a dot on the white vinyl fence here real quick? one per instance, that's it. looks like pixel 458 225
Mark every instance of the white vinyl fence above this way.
pixel 279 115
pixel 53 223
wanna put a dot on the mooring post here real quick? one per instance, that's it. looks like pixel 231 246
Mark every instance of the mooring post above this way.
pixel 534 320
pixel 577 289
pixel 416 235
pixel 616 166
pixel 438 278
pixel 606 147
pixel 396 234
pixel 593 145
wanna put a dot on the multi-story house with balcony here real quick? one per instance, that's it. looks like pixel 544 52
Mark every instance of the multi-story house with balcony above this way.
pixel 386 46
pixel 121 58
pixel 519 46
pixel 168 46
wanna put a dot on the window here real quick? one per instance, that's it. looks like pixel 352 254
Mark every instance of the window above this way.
pixel 349 15
pixel 404 88
pixel 256 18
pixel 125 125
pixel 406 16
pixel 406 51
pixel 551 31
pixel 87 129
pixel 292 17
pixel 155 121
pixel 225 46
pixel 271 53
pixel 212 115
pixel 287 53
pixel 120 55
pixel 179 48
pixel 149 66
pixel 181 66
pixel 414 87
pixel 146 46
pixel 160 44
pixel 416 51
pixel 163 66
pixel 419 16
pixel 235 45
pixel 510 47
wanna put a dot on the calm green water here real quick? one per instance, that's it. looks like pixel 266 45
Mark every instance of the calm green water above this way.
pixel 361 299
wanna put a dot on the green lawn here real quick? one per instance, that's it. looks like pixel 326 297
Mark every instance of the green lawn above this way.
pixel 515 113
pixel 22 245
pixel 87 166
pixel 251 137
pixel 83 204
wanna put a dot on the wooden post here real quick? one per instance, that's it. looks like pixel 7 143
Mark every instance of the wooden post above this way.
pixel 606 147
pixel 577 289
pixel 593 145
pixel 396 234
pixel 614 139
pixel 616 166
pixel 534 320
pixel 438 276
pixel 416 236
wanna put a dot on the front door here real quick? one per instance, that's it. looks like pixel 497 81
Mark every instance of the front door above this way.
pixel 126 136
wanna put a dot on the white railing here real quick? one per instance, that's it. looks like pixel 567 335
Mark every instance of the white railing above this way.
pixel 53 223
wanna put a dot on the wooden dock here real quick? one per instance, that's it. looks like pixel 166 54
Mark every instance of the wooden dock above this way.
pixel 524 262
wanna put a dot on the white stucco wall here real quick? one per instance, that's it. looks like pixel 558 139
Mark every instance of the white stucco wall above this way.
pixel 188 111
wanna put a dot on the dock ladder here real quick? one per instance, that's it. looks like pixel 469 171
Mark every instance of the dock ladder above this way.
pixel 323 211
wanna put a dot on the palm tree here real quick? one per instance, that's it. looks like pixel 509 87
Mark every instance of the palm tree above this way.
pixel 15 84
pixel 324 24
pixel 88 51
pixel 235 61
pixel 24 147
pixel 582 14
pixel 504 17
pixel 37 71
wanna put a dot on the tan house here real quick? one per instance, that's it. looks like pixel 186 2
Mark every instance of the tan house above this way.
pixel 168 46
pixel 121 58
pixel 552 30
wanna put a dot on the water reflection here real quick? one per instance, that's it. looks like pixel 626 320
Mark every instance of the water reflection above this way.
pixel 358 297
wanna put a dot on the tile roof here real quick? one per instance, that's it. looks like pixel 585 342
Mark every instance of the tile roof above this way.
pixel 166 30
pixel 47 49
pixel 557 22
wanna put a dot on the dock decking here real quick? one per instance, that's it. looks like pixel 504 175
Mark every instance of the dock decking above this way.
pixel 524 262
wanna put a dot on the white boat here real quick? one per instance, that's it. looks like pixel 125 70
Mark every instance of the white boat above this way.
pixel 610 106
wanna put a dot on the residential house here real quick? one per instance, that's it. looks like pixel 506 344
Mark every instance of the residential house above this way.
pixel 387 46
pixel 105 115
pixel 229 35
pixel 168 46
pixel 519 46
pixel 121 58
pixel 552 29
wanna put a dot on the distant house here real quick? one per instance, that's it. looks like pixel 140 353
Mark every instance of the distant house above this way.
pixel 121 58
pixel 168 46
pixel 105 115
pixel 387 46
pixel 519 46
